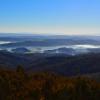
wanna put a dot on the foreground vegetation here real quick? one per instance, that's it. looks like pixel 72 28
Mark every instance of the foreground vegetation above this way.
pixel 18 85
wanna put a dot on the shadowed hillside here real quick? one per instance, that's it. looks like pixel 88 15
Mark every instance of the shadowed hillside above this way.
pixel 60 64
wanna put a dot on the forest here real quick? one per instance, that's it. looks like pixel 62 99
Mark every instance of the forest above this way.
pixel 21 85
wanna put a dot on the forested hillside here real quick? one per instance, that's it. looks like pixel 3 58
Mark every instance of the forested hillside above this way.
pixel 19 85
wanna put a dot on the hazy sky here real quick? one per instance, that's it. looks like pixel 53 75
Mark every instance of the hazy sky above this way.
pixel 50 16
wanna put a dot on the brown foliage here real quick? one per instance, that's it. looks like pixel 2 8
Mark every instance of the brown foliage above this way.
pixel 17 85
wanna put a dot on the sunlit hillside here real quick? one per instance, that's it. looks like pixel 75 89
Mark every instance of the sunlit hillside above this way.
pixel 18 85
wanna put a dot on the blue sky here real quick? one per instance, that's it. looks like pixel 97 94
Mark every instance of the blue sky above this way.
pixel 50 16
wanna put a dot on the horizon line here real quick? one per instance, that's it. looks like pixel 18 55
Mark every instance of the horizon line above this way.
pixel 46 34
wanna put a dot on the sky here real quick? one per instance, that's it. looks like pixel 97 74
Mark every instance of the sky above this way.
pixel 70 17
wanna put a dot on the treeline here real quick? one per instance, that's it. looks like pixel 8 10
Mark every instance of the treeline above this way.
pixel 19 85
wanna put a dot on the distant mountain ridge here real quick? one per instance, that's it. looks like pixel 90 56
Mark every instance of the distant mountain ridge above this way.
pixel 51 42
